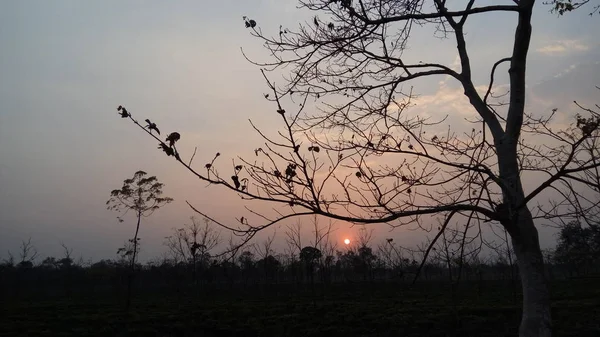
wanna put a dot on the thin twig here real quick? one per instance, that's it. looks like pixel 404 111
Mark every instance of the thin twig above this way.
pixel 191 159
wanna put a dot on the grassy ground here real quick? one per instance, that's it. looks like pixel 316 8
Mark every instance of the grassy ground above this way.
pixel 342 310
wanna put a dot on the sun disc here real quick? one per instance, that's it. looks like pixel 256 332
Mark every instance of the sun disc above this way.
pixel 347 241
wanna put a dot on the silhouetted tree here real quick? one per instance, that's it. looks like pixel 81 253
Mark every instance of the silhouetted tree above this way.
pixel 322 241
pixel 293 239
pixel 141 195
pixel 578 247
pixel 309 256
pixel 368 160
pixel 247 260
pixel 366 260
pixel 66 261
pixel 9 262
pixel 270 266
pixel 264 250
pixel 27 254
pixel 564 6
pixel 193 244
pixel 63 263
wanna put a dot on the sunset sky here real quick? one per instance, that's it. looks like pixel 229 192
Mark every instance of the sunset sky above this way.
pixel 66 65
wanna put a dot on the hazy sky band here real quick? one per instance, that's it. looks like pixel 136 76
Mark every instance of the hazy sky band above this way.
pixel 67 65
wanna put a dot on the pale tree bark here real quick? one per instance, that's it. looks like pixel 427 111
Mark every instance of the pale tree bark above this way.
pixel 536 318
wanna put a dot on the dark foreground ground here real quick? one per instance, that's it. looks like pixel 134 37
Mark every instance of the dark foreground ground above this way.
pixel 363 309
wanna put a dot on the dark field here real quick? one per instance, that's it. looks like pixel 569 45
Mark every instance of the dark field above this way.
pixel 356 309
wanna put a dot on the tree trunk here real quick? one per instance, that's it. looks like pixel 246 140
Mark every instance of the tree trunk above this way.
pixel 518 221
pixel 137 230
pixel 132 270
pixel 536 318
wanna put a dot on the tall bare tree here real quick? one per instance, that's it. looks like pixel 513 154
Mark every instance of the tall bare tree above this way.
pixel 293 239
pixel 27 254
pixel 141 195
pixel 359 155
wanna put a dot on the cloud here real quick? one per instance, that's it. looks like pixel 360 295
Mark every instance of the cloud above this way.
pixel 563 46
pixel 448 100
pixel 566 71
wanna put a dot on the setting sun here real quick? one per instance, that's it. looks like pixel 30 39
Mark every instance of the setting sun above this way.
pixel 347 241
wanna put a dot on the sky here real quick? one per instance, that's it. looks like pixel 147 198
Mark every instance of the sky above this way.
pixel 66 65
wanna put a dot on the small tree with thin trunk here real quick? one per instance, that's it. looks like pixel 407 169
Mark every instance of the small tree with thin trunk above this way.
pixel 28 253
pixel 141 195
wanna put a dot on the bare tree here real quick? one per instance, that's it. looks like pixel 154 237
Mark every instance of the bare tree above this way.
pixel 319 233
pixel 67 260
pixel 233 247
pixel 293 239
pixel 8 262
pixel 265 248
pixel 391 257
pixel 27 254
pixel 365 235
pixel 229 259
pixel 362 157
pixel 326 245
pixel 322 238
pixel 193 244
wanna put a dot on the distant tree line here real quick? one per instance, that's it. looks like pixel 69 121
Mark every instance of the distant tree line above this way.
pixel 191 263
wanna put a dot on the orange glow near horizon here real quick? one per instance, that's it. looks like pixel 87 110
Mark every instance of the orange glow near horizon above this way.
pixel 346 241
